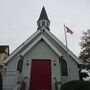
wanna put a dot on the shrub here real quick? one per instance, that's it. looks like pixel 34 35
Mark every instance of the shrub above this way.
pixel 76 85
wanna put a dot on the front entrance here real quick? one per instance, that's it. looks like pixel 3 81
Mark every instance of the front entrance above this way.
pixel 40 74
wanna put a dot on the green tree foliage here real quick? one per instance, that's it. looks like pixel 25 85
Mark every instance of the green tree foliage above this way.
pixel 85 46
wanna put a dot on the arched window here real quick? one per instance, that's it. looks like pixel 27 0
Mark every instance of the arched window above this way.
pixel 20 65
pixel 63 66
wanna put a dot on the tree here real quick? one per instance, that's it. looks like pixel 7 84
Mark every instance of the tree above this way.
pixel 85 46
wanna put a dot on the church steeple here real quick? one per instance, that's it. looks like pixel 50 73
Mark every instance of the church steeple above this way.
pixel 43 19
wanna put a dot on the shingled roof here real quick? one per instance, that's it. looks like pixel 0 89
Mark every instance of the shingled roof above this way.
pixel 43 15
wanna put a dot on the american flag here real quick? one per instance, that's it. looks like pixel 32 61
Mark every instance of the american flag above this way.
pixel 69 30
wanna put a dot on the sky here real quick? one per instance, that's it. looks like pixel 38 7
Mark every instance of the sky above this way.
pixel 18 20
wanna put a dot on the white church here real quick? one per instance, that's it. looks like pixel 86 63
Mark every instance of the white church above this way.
pixel 41 62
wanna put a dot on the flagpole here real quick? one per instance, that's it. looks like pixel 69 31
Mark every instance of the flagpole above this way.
pixel 66 41
pixel 65 37
pixel 67 30
pixel 67 54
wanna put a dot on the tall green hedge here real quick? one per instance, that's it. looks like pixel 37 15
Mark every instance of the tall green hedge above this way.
pixel 76 85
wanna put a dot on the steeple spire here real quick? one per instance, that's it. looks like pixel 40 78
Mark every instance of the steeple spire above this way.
pixel 43 15
pixel 43 19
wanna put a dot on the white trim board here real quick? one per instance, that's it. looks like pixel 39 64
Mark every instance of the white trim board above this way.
pixel 63 46
pixel 21 46
pixel 47 41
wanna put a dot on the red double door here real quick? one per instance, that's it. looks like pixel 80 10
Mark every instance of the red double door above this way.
pixel 40 78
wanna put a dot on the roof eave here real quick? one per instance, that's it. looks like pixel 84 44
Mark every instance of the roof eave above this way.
pixel 64 47
pixel 21 46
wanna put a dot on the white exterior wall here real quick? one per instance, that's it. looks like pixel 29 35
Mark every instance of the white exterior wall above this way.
pixel 42 51
pixel 10 74
pixel 39 51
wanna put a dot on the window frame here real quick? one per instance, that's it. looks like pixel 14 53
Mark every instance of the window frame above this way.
pixel 63 67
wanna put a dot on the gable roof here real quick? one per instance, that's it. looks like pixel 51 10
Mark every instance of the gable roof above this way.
pixel 47 41
pixel 64 47
pixel 41 34
pixel 21 46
